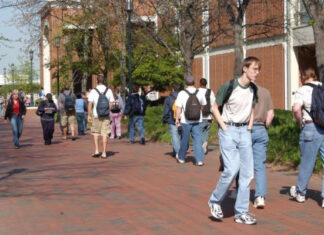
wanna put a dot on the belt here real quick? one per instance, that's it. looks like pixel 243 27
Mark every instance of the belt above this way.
pixel 258 124
pixel 236 124
pixel 308 121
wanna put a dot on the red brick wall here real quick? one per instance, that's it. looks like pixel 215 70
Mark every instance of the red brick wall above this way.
pixel 197 70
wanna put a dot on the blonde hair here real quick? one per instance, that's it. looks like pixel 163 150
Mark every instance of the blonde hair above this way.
pixel 308 73
pixel 15 91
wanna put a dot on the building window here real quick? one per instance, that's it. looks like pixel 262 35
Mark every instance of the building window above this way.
pixel 302 18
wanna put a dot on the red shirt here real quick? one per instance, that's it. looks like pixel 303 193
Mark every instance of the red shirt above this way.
pixel 16 107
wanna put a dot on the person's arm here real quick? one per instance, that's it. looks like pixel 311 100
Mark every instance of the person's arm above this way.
pixel 251 118
pixel 178 116
pixel 297 111
pixel 90 111
pixel 218 116
pixel 270 116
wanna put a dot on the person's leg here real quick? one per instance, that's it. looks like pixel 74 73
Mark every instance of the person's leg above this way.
pixel 20 124
pixel 260 141
pixel 14 127
pixel 186 129
pixel 309 146
pixel 71 123
pixel 197 142
pixel 132 131
pixel 80 117
pixel 113 125
pixel 44 129
pixel 321 136
pixel 85 121
pixel 118 124
pixel 175 138
pixel 96 143
pixel 246 171
pixel 105 130
pixel 205 125
pixel 51 126
pixel 228 141
pixel 140 127
pixel 64 124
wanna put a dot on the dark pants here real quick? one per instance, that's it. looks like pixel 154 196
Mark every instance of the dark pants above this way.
pixel 80 119
pixel 48 130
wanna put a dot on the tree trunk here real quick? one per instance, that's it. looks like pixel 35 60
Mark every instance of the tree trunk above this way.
pixel 319 47
pixel 238 48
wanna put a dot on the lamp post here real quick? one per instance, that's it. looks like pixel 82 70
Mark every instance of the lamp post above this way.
pixel 129 9
pixel 5 75
pixel 31 56
pixel 57 45
pixel 13 77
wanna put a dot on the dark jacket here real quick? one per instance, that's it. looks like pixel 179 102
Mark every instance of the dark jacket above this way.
pixel 49 114
pixel 167 108
pixel 129 108
pixel 9 110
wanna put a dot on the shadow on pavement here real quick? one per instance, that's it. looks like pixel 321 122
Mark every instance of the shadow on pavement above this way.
pixel 13 172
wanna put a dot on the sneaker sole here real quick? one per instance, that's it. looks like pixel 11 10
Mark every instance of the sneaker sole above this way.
pixel 242 222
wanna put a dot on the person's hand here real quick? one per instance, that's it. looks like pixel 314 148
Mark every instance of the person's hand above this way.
pixel 177 123
pixel 23 116
pixel 89 118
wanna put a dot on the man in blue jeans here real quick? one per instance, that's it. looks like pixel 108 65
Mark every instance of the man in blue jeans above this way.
pixel 135 108
pixel 236 122
pixel 169 118
pixel 188 126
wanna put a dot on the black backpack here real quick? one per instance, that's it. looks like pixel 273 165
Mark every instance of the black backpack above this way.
pixel 137 105
pixel 102 104
pixel 116 107
pixel 68 103
pixel 317 107
pixel 206 108
pixel 193 107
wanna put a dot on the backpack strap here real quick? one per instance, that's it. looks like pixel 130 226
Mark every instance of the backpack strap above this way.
pixel 228 92
pixel 105 91
pixel 255 91
pixel 207 95
pixel 311 85
pixel 97 91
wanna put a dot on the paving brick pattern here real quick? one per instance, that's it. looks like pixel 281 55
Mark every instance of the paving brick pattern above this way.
pixel 60 189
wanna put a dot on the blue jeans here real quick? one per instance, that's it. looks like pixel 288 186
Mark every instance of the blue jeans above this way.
pixel 139 121
pixel 85 121
pixel 236 149
pixel 311 140
pixel 196 132
pixel 16 123
pixel 175 138
pixel 205 125
pixel 260 141
pixel 80 119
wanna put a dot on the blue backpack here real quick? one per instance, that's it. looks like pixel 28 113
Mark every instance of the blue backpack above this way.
pixel 137 105
pixel 69 103
pixel 317 107
pixel 102 104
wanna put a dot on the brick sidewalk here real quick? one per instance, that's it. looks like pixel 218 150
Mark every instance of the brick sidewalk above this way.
pixel 60 189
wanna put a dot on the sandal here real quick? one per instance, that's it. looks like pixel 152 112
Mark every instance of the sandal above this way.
pixel 96 155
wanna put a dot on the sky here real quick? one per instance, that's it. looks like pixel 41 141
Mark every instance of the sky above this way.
pixel 10 52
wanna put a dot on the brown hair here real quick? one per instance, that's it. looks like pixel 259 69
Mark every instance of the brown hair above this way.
pixel 249 60
pixel 308 73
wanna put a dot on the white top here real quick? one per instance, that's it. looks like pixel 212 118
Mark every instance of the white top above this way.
pixel 182 100
pixel 303 96
pixel 94 96
pixel 239 105
pixel 212 100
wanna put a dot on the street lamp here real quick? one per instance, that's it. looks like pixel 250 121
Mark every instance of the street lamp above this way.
pixel 31 56
pixel 57 45
pixel 13 77
pixel 129 9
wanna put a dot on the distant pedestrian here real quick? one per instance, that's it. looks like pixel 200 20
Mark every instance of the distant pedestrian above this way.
pixel 46 110
pixel 169 116
pixel 135 108
pixel 100 101
pixel 207 117
pixel 85 120
pixel 311 139
pixel 2 105
pixel 79 109
pixel 236 99
pixel 16 112
pixel 116 114
pixel 190 103
pixel 66 103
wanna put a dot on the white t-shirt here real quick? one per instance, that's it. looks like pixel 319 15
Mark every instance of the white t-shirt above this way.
pixel 94 96
pixel 211 98
pixel 303 96
pixel 182 100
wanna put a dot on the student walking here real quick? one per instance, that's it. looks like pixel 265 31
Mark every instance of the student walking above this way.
pixel 80 106
pixel 85 120
pixel 311 138
pixel 46 110
pixel 169 115
pixel 189 105
pixel 16 112
pixel 100 100
pixel 135 108
pixel 116 114
pixel 207 117
pixel 66 103
pixel 237 99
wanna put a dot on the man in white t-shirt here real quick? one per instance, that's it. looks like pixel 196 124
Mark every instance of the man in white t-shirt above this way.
pixel 207 117
pixel 188 126
pixel 311 139
pixel 100 125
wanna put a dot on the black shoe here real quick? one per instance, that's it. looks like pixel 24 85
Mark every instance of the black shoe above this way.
pixel 132 142
pixel 96 155
pixel 17 146
pixel 143 141
pixel 73 138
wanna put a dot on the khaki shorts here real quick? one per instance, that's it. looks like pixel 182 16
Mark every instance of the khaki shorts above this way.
pixel 67 119
pixel 100 126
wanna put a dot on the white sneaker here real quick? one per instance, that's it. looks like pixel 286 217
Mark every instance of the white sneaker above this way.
pixel 294 194
pixel 245 219
pixel 259 202
pixel 179 160
pixel 323 203
pixel 216 210
pixel 205 144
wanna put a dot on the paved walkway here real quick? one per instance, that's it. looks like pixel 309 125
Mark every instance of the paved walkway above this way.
pixel 60 189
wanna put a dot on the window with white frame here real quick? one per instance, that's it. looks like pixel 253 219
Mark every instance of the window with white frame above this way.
pixel 302 17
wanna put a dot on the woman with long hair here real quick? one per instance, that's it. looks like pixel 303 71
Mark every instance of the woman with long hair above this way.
pixel 116 114
pixel 46 111
pixel 16 112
